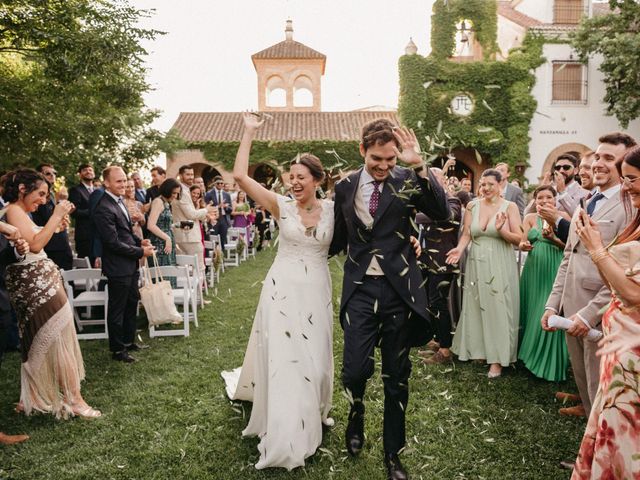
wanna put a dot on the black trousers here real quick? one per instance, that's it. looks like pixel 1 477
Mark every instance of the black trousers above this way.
pixel 438 288
pixel 376 316
pixel 83 248
pixel 121 316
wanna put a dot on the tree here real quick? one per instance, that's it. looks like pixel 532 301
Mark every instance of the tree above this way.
pixel 615 36
pixel 72 80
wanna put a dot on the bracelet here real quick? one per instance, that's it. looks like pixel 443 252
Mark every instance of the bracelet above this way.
pixel 599 255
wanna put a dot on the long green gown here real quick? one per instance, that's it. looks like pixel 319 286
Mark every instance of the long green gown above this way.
pixel 488 326
pixel 543 353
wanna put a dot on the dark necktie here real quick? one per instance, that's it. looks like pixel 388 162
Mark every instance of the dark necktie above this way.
pixel 375 199
pixel 592 203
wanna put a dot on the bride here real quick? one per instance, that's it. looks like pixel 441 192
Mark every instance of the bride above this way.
pixel 287 370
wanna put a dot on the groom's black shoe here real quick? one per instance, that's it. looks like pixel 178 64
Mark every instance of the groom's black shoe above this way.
pixel 355 429
pixel 395 470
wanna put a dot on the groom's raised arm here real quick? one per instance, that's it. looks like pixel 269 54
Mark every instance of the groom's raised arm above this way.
pixel 432 199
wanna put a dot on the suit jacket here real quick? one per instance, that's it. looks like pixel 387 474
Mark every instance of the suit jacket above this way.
pixel 7 256
pixel 96 243
pixel 59 241
pixel 141 195
pixel 388 237
pixel 440 236
pixel 183 209
pixel 569 200
pixel 514 194
pixel 578 287
pixel 120 247
pixel 225 214
pixel 79 196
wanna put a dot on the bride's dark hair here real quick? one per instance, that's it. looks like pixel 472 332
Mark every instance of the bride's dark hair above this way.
pixel 312 162
pixel 11 182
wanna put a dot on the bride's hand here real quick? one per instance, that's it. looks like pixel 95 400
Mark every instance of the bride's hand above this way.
pixel 453 256
pixel 252 120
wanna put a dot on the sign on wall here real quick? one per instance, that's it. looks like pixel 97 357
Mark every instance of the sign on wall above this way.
pixel 462 105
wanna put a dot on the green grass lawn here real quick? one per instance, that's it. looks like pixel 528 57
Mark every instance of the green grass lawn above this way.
pixel 167 417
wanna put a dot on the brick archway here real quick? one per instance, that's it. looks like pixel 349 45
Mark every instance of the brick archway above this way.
pixel 578 148
pixel 467 165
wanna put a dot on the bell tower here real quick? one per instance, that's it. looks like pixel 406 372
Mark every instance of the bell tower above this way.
pixel 289 76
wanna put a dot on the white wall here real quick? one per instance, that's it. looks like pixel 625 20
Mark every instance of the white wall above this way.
pixel 554 125
pixel 510 35
pixel 539 9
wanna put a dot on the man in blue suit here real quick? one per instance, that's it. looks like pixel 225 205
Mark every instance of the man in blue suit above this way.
pixel 222 200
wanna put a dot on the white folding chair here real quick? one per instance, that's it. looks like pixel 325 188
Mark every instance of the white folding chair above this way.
pixel 181 297
pixel 193 267
pixel 232 257
pixel 87 298
pixel 209 262
pixel 253 234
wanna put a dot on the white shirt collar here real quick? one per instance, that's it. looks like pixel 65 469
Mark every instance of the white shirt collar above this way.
pixel 115 197
pixel 366 178
pixel 610 192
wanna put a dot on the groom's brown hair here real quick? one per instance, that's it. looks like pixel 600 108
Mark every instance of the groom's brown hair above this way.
pixel 378 132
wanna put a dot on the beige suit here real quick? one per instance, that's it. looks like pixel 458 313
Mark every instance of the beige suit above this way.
pixel 578 289
pixel 189 241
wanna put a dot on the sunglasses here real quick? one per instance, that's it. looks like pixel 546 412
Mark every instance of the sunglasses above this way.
pixel 566 168
pixel 49 174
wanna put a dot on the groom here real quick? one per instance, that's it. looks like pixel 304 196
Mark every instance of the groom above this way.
pixel 383 302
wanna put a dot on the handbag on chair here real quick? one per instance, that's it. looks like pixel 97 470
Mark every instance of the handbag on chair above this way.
pixel 157 298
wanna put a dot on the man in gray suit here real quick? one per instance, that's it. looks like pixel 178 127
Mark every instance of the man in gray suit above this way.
pixel 509 191
pixel 578 292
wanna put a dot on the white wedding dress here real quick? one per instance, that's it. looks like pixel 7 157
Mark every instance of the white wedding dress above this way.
pixel 287 370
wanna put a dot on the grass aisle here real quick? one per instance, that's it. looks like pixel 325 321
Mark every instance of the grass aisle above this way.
pixel 166 416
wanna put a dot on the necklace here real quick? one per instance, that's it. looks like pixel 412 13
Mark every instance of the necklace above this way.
pixel 311 208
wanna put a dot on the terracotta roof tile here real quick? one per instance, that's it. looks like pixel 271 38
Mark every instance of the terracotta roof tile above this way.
pixel 507 11
pixel 284 126
pixel 288 49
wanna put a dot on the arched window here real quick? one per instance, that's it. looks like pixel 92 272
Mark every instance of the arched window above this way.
pixel 302 97
pixel 276 94
pixel 302 91
pixel 464 39
pixel 276 97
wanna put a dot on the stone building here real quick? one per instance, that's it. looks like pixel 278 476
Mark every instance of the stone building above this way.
pixel 571 114
pixel 289 87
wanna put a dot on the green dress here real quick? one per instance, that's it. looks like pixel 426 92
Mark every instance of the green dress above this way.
pixel 164 222
pixel 543 353
pixel 488 325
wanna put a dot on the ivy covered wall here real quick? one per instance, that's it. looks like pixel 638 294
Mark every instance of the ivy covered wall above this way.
pixel 500 90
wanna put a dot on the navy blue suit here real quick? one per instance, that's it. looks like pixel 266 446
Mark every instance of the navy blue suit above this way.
pixel 224 214
pixel 389 311
pixel 121 252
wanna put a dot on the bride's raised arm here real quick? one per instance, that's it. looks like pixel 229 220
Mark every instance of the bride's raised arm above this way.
pixel 257 192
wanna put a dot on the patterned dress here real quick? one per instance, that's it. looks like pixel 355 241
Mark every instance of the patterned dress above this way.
pixel 164 222
pixel 610 447
pixel 52 366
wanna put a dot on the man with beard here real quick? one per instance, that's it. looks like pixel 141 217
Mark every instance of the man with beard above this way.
pixel 79 196
pixel 579 293
pixel 569 191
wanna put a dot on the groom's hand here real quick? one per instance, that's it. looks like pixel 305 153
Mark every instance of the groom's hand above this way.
pixel 416 246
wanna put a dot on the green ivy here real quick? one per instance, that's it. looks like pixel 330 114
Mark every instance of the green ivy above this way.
pixel 501 90
pixel 447 13
pixel 334 155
